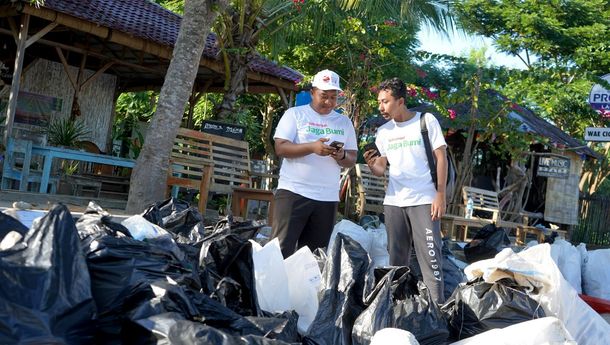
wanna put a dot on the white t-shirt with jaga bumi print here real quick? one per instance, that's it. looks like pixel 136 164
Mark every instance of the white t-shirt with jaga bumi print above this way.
pixel 401 142
pixel 313 176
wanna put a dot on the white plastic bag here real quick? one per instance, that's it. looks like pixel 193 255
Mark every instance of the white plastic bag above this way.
pixel 141 229
pixel 547 330
pixel 304 280
pixel 596 274
pixel 567 259
pixel 270 277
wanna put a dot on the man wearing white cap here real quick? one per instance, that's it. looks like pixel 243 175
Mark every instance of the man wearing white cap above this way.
pixel 315 142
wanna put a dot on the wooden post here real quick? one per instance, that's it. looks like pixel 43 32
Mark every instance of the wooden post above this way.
pixel 15 84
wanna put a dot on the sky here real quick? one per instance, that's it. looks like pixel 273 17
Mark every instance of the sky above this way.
pixel 460 45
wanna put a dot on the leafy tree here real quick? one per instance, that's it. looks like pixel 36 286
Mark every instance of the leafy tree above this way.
pixel 149 175
pixel 364 41
pixel 564 46
pixel 281 24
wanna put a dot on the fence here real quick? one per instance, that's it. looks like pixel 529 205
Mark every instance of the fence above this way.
pixel 594 225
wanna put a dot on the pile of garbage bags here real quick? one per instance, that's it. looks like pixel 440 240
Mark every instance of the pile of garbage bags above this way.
pixel 162 277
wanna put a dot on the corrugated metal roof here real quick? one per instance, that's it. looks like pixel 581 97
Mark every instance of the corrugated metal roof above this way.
pixel 149 21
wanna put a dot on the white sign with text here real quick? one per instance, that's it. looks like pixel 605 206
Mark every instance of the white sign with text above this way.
pixel 597 134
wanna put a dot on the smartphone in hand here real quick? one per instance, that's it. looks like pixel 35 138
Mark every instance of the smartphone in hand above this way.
pixel 372 146
pixel 337 145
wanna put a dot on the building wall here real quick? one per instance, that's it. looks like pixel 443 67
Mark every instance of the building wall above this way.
pixel 96 100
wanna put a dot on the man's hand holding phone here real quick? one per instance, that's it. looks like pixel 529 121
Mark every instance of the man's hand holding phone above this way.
pixel 337 145
pixel 374 151
pixel 338 153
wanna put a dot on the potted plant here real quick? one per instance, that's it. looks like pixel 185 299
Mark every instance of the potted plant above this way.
pixel 67 133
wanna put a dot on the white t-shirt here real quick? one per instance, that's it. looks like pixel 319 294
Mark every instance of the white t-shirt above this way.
pixel 402 144
pixel 313 176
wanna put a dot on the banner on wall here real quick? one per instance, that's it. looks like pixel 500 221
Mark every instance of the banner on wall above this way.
pixel 34 109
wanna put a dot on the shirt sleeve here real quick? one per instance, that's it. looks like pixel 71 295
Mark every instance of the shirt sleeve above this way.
pixel 350 143
pixel 287 127
pixel 379 141
pixel 435 132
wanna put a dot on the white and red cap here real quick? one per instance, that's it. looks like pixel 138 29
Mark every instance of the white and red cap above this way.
pixel 326 80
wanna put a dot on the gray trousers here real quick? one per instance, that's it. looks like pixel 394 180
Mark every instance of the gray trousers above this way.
pixel 412 227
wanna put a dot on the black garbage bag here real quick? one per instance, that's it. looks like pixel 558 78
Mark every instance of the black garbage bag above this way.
pixel 478 306
pixel 184 222
pixel 192 305
pixel 227 272
pixel 486 243
pixel 171 328
pixel 8 224
pixel 246 230
pixel 452 274
pixel 45 294
pixel 122 270
pixel 346 279
pixel 96 222
pixel 400 300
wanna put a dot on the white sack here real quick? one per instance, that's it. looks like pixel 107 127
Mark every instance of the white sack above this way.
pixel 534 268
pixel 380 257
pixel 270 277
pixel 393 336
pixel 374 241
pixel 547 330
pixel 567 259
pixel 596 274
pixel 353 230
pixel 304 280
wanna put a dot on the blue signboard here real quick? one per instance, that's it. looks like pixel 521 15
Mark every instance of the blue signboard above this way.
pixel 599 98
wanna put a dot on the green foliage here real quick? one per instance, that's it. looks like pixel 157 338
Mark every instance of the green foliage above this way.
pixel 131 108
pixel 67 132
pixel 563 44
pixel 176 6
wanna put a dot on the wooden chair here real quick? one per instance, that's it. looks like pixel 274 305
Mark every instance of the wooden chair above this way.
pixel 16 166
pixel 240 197
pixel 191 165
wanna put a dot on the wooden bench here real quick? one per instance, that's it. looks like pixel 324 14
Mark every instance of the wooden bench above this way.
pixel 487 201
pixel 210 163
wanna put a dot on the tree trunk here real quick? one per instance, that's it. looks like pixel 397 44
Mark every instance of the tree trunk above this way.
pixel 464 168
pixel 239 49
pixel 237 85
pixel 148 179
pixel 266 130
